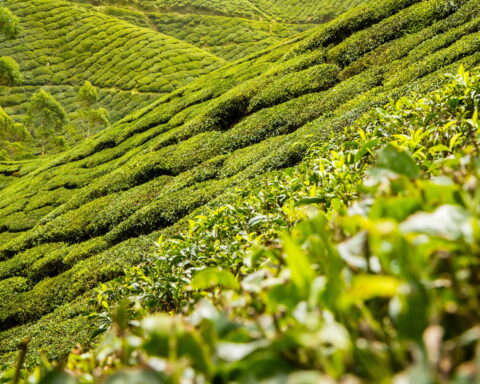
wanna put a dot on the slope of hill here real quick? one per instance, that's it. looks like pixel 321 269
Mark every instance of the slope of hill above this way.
pixel 231 30
pixel 304 11
pixel 83 217
pixel 230 38
pixel 358 265
pixel 62 45
pixel 227 37
pixel 296 11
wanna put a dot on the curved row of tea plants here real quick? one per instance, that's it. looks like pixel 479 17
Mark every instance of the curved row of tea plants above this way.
pixel 291 11
pixel 230 38
pixel 83 217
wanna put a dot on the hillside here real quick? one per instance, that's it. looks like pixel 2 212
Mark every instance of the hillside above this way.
pixel 230 38
pixel 230 30
pixel 289 11
pixel 358 265
pixel 62 45
pixel 83 217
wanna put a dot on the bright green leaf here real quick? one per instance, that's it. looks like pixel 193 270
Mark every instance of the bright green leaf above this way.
pixel 212 277
pixel 397 161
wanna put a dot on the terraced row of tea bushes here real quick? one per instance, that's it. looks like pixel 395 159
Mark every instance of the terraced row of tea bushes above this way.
pixel 305 11
pixel 240 8
pixel 412 19
pixel 289 11
pixel 177 159
pixel 51 292
pixel 199 142
pixel 227 37
pixel 117 102
pixel 130 15
pixel 13 170
pixel 88 50
pixel 230 36
pixel 437 36
pixel 62 45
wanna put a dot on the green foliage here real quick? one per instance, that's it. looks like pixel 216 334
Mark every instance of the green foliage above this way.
pixel 62 45
pixel 228 37
pixel 210 277
pixel 230 30
pixel 14 138
pixel 9 130
pixel 87 95
pixel 293 11
pixel 359 263
pixel 112 196
pixel 88 119
pixel 9 24
pixel 46 117
pixel 9 71
pixel 45 112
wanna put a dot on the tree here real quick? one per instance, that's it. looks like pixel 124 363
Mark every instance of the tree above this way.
pixel 87 96
pixel 9 23
pixel 9 130
pixel 88 119
pixel 9 68
pixel 13 138
pixel 45 117
pixel 9 71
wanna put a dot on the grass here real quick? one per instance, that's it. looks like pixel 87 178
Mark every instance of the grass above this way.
pixel 85 216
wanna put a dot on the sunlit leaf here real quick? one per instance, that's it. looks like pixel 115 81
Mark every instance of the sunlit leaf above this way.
pixel 366 287
pixel 448 221
pixel 397 161
pixel 213 277
pixel 300 267
pixel 366 148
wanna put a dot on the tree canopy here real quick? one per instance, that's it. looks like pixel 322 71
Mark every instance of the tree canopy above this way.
pixel 45 117
pixel 9 23
pixel 9 71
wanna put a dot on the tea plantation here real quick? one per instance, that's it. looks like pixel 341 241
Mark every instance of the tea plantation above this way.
pixel 62 45
pixel 183 206
pixel 230 30
pixel 290 11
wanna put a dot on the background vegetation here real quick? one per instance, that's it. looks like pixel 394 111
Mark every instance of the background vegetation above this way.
pixel 62 45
